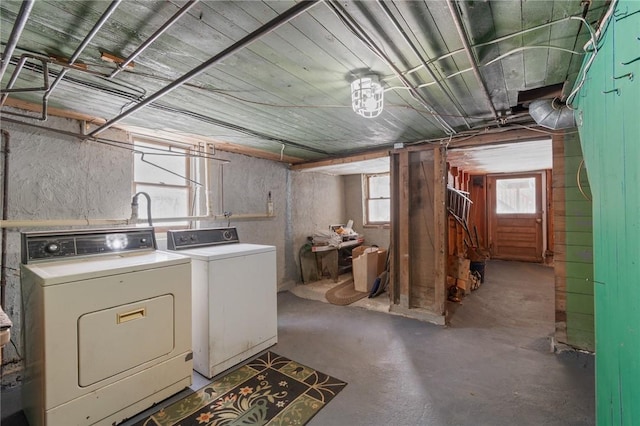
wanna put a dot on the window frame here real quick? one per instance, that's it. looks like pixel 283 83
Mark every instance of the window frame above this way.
pixel 366 198
pixel 188 185
pixel 535 201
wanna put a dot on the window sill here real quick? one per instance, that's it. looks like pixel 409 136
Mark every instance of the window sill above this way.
pixel 378 226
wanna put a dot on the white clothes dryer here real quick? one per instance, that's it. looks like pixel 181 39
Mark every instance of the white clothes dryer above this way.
pixel 107 323
pixel 234 296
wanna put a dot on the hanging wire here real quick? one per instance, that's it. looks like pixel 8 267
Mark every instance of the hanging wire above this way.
pixel 578 181
pixel 163 168
pixel 504 55
pixel 114 143
pixel 593 41
pixel 497 40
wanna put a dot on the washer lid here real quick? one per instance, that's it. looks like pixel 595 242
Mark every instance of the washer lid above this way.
pixel 226 251
pixel 64 271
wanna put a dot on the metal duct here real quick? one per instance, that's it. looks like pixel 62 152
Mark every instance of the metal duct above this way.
pixel 552 114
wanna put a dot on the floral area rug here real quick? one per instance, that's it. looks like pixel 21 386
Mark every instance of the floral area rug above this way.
pixel 270 390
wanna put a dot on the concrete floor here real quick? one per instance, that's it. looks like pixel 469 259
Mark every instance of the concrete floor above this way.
pixel 491 366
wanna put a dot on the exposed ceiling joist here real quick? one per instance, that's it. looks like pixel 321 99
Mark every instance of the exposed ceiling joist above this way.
pixel 287 87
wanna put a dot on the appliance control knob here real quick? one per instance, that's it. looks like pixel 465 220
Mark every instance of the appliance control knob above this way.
pixel 183 239
pixel 226 235
pixel 52 248
pixel 143 240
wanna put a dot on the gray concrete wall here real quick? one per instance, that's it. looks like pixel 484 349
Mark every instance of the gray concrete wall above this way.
pixel 53 176
pixel 354 206
pixel 317 201
pixel 241 187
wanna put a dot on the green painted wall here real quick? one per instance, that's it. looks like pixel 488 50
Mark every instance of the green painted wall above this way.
pixel 578 249
pixel 609 125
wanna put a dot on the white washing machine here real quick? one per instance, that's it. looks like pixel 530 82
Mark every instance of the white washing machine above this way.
pixel 107 325
pixel 234 296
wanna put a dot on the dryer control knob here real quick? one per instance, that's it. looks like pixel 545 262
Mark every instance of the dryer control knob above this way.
pixel 52 248
pixel 226 235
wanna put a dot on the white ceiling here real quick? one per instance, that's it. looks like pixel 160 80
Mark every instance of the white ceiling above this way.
pixel 503 158
pixel 376 165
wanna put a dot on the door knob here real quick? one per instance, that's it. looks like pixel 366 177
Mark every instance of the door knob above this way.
pixel 538 220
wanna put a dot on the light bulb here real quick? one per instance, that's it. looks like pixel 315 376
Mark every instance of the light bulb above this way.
pixel 370 103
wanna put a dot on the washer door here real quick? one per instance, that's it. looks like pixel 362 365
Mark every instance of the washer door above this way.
pixel 117 339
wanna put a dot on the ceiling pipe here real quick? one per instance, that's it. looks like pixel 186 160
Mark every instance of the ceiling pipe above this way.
pixel 16 32
pixel 49 88
pixel 353 25
pixel 279 20
pixel 48 223
pixel 109 142
pixel 98 25
pixel 499 39
pixel 424 63
pixel 14 77
pixel 467 47
pixel 154 36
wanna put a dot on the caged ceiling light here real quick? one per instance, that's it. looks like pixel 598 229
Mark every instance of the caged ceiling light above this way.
pixel 367 96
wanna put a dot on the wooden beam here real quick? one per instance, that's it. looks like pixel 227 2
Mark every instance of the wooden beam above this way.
pixel 507 136
pixel 65 62
pixel 404 231
pixel 108 57
pixel 28 106
pixel 494 138
pixel 192 139
pixel 342 160
pixel 465 181
pixel 394 262
pixel 440 219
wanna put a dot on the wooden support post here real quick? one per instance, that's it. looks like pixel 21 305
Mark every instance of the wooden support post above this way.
pixel 399 285
pixel 454 173
pixel 404 232
pixel 440 219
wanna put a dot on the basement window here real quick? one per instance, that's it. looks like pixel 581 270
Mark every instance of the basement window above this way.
pixel 162 171
pixel 516 196
pixel 377 199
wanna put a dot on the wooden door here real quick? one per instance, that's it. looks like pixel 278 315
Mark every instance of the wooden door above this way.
pixel 515 217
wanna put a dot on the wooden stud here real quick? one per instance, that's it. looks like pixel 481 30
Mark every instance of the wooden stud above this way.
pixel 404 252
pixel 108 57
pixel 440 217
pixel 65 61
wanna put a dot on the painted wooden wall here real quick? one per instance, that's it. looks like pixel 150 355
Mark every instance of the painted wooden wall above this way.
pixel 608 115
pixel 573 245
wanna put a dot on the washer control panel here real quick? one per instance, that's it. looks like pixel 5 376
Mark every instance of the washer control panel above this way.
pixel 45 246
pixel 192 238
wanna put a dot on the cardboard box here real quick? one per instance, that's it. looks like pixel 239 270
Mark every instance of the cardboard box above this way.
pixel 464 285
pixel 368 263
pixel 458 267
